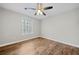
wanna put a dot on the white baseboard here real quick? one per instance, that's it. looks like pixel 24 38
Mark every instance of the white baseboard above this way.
pixel 42 37
pixel 16 41
pixel 74 45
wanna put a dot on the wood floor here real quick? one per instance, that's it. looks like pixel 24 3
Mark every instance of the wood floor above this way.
pixel 39 46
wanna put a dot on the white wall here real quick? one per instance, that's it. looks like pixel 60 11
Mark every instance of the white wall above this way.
pixel 10 27
pixel 63 27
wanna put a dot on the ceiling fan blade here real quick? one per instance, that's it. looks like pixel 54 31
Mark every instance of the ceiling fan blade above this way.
pixel 50 7
pixel 44 14
pixel 35 13
pixel 29 8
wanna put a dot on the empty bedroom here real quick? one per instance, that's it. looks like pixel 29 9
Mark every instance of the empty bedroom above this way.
pixel 39 28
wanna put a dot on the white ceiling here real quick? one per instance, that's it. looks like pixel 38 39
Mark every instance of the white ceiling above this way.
pixel 57 8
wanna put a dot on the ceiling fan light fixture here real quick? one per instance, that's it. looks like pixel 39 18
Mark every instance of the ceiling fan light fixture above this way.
pixel 39 9
pixel 39 12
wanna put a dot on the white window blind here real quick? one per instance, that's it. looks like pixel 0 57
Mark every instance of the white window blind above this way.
pixel 27 25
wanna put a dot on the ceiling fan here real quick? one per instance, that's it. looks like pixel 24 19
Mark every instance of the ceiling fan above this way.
pixel 40 9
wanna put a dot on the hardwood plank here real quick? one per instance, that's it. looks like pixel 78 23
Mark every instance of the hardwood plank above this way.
pixel 39 46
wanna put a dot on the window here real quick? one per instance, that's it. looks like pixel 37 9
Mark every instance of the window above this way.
pixel 27 26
